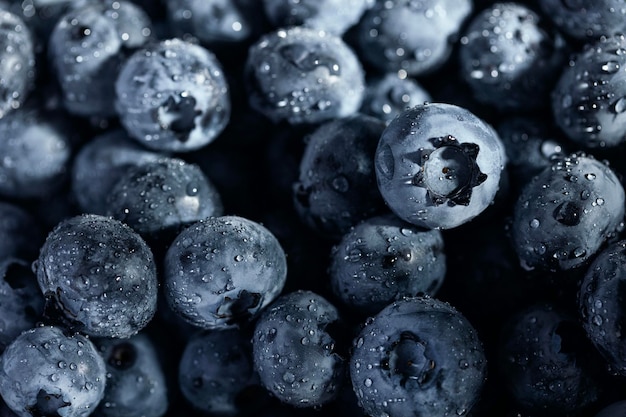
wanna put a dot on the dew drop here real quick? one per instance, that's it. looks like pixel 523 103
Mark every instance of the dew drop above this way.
pixel 534 223
pixel 367 382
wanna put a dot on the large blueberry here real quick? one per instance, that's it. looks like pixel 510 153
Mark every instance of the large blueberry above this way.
pixel 220 272
pixel 438 165
pixel 100 275
pixel 418 356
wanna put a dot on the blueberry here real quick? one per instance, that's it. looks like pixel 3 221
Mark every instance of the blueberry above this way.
pixel 17 62
pixel 294 353
pixel 216 374
pixel 415 36
pixel 20 234
pixel 135 384
pixel 173 96
pixel 160 197
pixel 438 165
pixel 547 361
pixel 384 259
pixel 211 21
pixel 564 214
pixel 615 409
pixel 336 188
pixel 113 287
pixel 302 75
pixel 510 58
pixel 220 272
pixel 87 48
pixel 585 19
pixel 387 96
pixel 589 100
pixel 100 163
pixel 601 297
pixel 47 373
pixel 417 356
pixel 334 16
pixel 21 302
pixel 35 154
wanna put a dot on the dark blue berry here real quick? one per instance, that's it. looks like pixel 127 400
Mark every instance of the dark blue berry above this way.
pixel 585 19
pixel 414 36
pixel 510 59
pixel 418 356
pixel 547 361
pixel 334 16
pixel 589 100
pixel 615 409
pixel 87 48
pixel 564 214
pixel 438 165
pixel 336 188
pixel 173 96
pixel 384 259
pixel 99 275
pixel 302 75
pixel 47 373
pixel 216 374
pixel 135 382
pixel 20 234
pixel 220 272
pixel 294 353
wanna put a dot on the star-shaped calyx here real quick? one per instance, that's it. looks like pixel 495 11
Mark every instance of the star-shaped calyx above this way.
pixel 449 171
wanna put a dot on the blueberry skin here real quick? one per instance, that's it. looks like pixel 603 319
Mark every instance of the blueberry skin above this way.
pixel 211 21
pixel 384 259
pixel 20 234
pixel 100 163
pixel 413 36
pixel 17 62
pixel 616 409
pixel 336 187
pixel 302 75
pixel 438 165
pixel 601 295
pixel 21 302
pixel 547 362
pixel 162 196
pixel 334 16
pixel 135 382
pixel 36 155
pixel 44 372
pixel 86 50
pixel 221 271
pixel 418 356
pixel 586 19
pixel 294 353
pixel 388 95
pixel 564 214
pixel 216 373
pixel 113 290
pixel 510 58
pixel 589 99
pixel 173 96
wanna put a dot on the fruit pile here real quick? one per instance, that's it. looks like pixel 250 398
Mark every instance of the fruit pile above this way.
pixel 383 208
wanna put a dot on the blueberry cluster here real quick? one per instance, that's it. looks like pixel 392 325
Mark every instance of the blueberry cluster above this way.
pixel 261 208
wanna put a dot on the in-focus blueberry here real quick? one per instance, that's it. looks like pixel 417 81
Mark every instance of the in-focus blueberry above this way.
pixel 302 75
pixel 564 214
pixel 222 271
pixel 336 188
pixel 438 165
pixel 99 275
pixel 418 356
pixel 411 35
pixel 384 259
pixel 295 354
pixel 135 382
pixel 173 96
pixel 589 100
pixel 47 373
pixel 216 374
pixel 510 58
